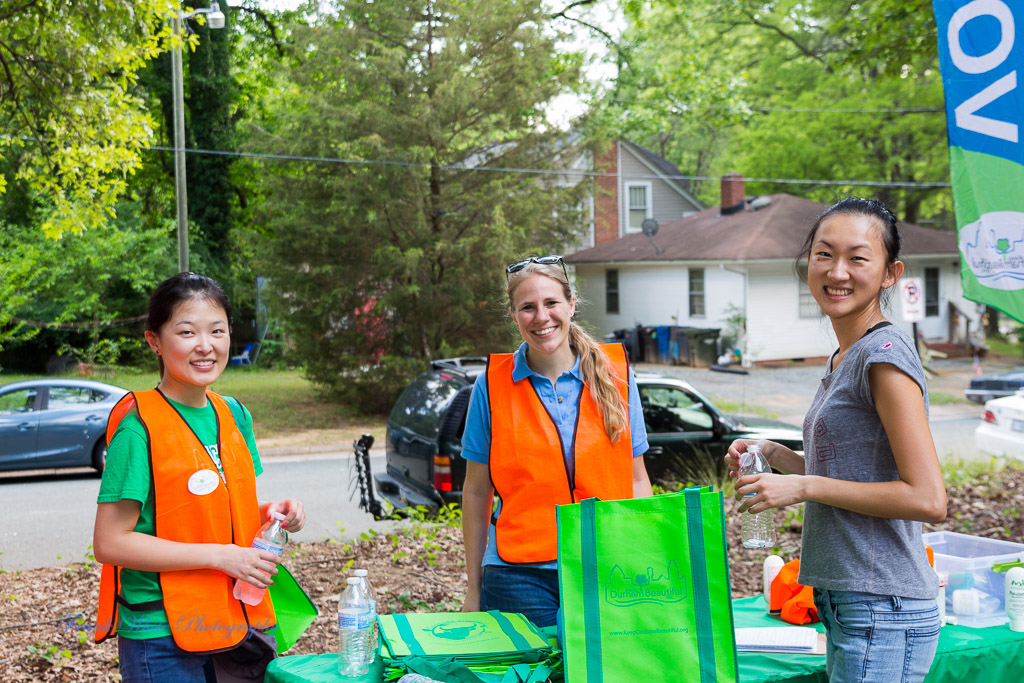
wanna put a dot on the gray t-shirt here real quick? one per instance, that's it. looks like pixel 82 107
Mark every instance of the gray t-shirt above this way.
pixel 844 439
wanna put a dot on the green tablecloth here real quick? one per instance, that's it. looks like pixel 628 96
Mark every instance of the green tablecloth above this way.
pixel 994 655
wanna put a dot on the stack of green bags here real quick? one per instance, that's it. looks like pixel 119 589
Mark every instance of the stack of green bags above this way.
pixel 471 647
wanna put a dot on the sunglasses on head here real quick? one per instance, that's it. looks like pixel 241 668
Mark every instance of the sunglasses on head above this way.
pixel 549 260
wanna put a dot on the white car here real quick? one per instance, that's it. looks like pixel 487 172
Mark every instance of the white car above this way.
pixel 1002 432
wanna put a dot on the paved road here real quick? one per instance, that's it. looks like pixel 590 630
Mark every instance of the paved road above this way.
pixel 49 517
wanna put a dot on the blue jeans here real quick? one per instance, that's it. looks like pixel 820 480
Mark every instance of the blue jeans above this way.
pixel 530 591
pixel 877 637
pixel 160 660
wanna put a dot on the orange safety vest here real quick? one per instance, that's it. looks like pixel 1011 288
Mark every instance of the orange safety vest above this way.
pixel 203 614
pixel 527 465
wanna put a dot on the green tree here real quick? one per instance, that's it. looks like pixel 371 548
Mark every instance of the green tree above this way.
pixel 804 90
pixel 70 120
pixel 405 257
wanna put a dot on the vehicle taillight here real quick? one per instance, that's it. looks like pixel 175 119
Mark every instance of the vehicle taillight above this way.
pixel 442 473
pixel 989 417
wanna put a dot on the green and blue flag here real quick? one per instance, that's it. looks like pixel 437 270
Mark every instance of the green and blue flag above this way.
pixel 979 55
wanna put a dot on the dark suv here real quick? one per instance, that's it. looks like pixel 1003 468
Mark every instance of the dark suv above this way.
pixel 686 433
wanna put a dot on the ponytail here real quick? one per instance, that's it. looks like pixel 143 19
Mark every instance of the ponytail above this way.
pixel 597 375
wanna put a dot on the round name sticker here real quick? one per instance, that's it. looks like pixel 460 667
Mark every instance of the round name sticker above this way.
pixel 203 482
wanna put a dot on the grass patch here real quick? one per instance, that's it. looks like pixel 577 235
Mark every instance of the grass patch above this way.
pixel 941 398
pixel 282 402
pixel 743 408
pixel 959 472
pixel 1005 347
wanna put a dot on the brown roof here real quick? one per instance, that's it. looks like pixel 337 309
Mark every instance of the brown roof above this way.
pixel 776 231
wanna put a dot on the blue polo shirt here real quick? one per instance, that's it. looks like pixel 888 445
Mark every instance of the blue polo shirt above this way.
pixel 560 399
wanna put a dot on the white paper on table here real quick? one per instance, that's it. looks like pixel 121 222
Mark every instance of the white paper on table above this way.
pixel 777 639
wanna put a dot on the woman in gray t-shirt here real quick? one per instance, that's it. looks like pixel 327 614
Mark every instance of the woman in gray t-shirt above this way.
pixel 870 475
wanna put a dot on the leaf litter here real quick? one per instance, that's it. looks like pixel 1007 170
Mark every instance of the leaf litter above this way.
pixel 46 614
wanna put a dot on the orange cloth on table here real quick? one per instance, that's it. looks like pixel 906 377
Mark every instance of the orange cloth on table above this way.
pixel 793 600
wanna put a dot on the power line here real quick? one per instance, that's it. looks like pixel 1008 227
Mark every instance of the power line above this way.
pixel 549 172
pixel 802 110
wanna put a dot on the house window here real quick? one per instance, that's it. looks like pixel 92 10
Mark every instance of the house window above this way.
pixel 696 292
pixel 611 291
pixel 808 306
pixel 931 292
pixel 639 207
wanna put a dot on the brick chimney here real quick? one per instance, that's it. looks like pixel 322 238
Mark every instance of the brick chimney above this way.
pixel 606 201
pixel 733 193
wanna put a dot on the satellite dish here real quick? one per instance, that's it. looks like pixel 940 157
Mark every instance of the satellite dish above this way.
pixel 650 228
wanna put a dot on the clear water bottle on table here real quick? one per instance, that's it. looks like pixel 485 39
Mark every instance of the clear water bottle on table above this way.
pixel 271 537
pixel 368 589
pixel 759 527
pixel 354 619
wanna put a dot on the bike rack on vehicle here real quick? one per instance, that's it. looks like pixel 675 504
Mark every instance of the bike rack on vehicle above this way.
pixel 367 500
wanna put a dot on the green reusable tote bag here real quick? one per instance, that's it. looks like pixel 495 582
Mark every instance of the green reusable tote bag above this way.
pixel 644 589
pixel 293 608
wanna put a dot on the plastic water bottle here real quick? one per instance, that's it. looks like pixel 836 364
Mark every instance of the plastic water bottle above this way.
pixel 368 589
pixel 353 629
pixel 758 528
pixel 271 537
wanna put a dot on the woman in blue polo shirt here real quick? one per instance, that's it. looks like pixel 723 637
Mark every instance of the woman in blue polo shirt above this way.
pixel 557 421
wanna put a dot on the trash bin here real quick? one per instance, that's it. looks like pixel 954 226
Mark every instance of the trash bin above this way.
pixel 664 342
pixel 649 344
pixel 629 337
pixel 702 346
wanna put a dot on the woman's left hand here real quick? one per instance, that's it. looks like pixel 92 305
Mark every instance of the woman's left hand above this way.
pixel 293 511
pixel 770 491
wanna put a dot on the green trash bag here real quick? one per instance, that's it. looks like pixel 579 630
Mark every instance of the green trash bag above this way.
pixel 644 589
pixel 293 608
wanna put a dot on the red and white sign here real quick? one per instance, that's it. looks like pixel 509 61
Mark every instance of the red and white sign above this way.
pixel 912 299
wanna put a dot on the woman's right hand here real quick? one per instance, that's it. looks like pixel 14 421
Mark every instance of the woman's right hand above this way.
pixel 739 446
pixel 257 567
pixel 736 449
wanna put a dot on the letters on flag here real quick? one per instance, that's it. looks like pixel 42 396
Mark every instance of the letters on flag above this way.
pixel 979 54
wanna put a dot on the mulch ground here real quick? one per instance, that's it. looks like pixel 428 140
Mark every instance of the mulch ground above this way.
pixel 46 614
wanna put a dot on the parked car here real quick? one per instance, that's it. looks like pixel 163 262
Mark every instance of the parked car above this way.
pixel 1002 432
pixel 995 385
pixel 48 423
pixel 686 433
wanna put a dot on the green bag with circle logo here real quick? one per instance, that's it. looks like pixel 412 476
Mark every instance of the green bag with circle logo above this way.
pixel 644 589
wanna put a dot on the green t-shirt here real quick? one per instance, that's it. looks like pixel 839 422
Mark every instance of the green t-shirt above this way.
pixel 126 476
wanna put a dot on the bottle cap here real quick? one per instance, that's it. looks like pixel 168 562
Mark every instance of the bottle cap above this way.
pixel 360 572
pixel 352 580
pixel 278 516
pixel 1017 624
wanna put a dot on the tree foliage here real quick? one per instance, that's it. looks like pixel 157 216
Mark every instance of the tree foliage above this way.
pixel 402 251
pixel 67 111
pixel 791 90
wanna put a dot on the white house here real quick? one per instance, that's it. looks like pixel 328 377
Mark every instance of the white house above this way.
pixel 738 260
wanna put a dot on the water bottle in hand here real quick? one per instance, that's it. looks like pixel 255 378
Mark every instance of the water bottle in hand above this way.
pixel 368 589
pixel 353 629
pixel 271 537
pixel 758 528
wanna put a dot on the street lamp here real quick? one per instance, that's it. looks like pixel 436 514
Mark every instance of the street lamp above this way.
pixel 215 19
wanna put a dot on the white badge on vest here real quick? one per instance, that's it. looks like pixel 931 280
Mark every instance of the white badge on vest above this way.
pixel 203 482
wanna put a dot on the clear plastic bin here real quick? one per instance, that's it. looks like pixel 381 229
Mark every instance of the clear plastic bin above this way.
pixel 968 560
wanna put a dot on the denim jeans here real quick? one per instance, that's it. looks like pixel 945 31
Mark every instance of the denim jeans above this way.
pixel 530 591
pixel 160 660
pixel 877 637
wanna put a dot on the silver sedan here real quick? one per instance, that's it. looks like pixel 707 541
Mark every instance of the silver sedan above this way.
pixel 55 423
